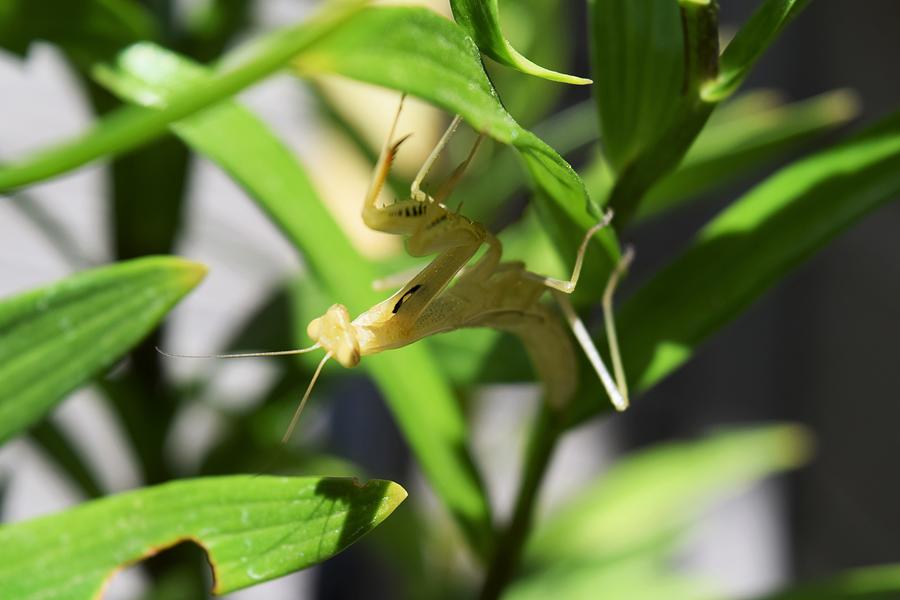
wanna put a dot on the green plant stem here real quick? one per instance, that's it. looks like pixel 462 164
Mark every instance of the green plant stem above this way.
pixel 547 430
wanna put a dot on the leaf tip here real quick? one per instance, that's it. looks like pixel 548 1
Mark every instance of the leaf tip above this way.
pixel 192 273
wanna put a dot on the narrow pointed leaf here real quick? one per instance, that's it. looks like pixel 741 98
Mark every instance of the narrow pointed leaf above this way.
pixel 253 529
pixel 55 338
pixel 748 45
pixel 727 149
pixel 616 516
pixel 243 146
pixel 130 127
pixel 481 21
pixel 753 244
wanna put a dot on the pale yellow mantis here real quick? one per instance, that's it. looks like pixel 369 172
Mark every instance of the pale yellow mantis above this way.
pixel 450 294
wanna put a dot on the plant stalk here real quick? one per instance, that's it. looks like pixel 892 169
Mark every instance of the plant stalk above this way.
pixel 508 551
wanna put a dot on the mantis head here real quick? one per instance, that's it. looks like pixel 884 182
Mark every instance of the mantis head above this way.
pixel 335 333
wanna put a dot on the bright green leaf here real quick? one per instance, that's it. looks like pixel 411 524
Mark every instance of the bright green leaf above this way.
pixel 752 245
pixel 253 529
pixel 481 20
pixel 748 45
pixel 244 147
pixel 419 52
pixel 86 30
pixel 729 148
pixel 868 583
pixel 617 515
pixel 133 126
pixel 55 338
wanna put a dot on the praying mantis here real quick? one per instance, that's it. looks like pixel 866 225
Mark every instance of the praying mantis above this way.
pixel 450 294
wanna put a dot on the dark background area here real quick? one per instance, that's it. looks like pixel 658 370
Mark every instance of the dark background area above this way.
pixel 821 347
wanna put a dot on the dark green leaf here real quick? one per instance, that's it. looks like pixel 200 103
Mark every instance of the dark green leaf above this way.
pixel 666 110
pixel 748 45
pixel 481 20
pixel 86 30
pixel 419 52
pixel 638 65
pixel 133 126
pixel 244 147
pixel 753 244
pixel 55 338
pixel 253 529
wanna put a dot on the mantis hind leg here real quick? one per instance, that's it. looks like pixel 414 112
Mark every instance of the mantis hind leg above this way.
pixel 616 387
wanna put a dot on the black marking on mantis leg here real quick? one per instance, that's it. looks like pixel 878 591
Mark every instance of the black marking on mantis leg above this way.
pixel 405 297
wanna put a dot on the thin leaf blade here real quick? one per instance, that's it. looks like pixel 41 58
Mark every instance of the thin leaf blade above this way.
pixel 749 44
pixel 253 529
pixel 55 338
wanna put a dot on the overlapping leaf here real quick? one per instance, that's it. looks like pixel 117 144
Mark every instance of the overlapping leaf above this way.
pixel 417 51
pixel 481 20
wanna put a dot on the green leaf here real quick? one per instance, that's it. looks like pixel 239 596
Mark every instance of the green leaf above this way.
pixel 253 529
pixel 729 148
pixel 245 148
pixel 652 58
pixel 868 583
pixel 55 338
pixel 86 30
pixel 637 51
pixel 748 45
pixel 753 244
pixel 419 52
pixel 617 516
pixel 481 21
pixel 130 127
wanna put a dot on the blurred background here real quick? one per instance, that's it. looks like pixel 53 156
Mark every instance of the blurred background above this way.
pixel 820 349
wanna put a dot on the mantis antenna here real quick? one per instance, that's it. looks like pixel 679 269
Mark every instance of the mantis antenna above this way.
pixel 242 355
pixel 293 424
